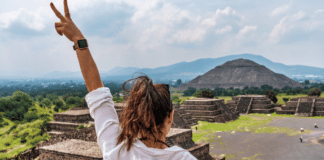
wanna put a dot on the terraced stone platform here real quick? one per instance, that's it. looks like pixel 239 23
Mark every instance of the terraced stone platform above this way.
pixel 304 106
pixel 85 150
pixel 206 109
pixel 251 104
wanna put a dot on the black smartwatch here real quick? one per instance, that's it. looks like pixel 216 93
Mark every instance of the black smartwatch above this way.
pixel 81 44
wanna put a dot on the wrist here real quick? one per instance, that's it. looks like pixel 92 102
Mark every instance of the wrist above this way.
pixel 75 40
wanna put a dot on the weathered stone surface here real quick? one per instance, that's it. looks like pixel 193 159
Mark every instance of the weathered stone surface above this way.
pixel 238 74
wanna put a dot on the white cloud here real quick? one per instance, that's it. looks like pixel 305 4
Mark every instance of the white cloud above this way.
pixel 319 11
pixel 224 30
pixel 280 10
pixel 247 29
pixel 285 25
pixel 190 35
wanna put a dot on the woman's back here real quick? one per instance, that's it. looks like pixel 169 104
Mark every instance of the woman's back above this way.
pixel 107 127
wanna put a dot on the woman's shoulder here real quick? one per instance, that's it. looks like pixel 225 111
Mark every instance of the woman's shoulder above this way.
pixel 181 154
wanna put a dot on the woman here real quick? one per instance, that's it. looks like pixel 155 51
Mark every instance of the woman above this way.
pixel 147 117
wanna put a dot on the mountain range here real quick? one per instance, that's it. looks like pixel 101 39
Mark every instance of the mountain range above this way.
pixel 182 70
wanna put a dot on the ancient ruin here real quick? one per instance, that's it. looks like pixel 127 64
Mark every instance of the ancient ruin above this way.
pixel 251 104
pixel 238 74
pixel 304 106
pixel 208 109
pixel 72 148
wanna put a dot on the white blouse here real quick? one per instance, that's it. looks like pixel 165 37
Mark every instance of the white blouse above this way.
pixel 107 127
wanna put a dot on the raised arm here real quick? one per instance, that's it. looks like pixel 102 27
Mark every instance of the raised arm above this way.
pixel 70 30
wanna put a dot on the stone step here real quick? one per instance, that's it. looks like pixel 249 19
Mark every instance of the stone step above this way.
pixel 318 108
pixel 291 103
pixel 261 101
pixel 202 101
pixel 186 116
pixel 318 113
pixel 319 104
pixel 76 116
pixel 199 107
pixel 65 126
pixel 203 113
pixel 192 121
pixel 286 112
pixel 218 118
pixel 54 132
pixel 288 108
pixel 261 106
pixel 262 110
pixel 85 150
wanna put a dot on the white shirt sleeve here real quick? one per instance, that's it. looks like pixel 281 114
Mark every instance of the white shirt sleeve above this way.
pixel 102 110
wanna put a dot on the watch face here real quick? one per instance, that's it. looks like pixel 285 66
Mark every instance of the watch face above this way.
pixel 82 43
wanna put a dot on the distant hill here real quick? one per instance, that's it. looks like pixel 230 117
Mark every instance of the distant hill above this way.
pixel 238 74
pixel 183 70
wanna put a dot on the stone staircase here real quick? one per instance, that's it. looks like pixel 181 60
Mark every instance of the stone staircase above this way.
pixel 187 117
pixel 304 106
pixel 85 150
pixel 205 109
pixel 251 104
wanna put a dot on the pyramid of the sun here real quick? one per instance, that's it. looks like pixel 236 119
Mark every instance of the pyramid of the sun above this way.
pixel 239 73
pixel 304 106
pixel 251 104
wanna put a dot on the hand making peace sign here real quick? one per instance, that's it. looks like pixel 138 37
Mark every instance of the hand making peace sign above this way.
pixel 66 26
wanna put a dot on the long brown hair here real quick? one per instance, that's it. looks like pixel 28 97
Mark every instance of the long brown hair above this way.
pixel 146 109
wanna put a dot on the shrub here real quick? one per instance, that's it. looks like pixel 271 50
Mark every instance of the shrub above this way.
pixel 58 103
pixel 29 116
pixel 189 92
pixel 47 102
pixel 83 104
pixel 175 98
pixel 205 94
pixel 73 100
pixel 35 140
pixel 39 98
pixel 65 108
pixel 44 115
pixel 118 99
pixel 5 123
pixel 33 109
pixel 80 126
pixel 7 144
pixel 271 95
pixel 314 92
pixel 56 109
pixel 52 97
pixel 285 99
pixel 92 125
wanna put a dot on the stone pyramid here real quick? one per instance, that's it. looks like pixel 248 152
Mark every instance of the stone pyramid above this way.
pixel 238 74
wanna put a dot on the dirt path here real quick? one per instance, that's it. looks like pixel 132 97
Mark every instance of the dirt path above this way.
pixel 245 145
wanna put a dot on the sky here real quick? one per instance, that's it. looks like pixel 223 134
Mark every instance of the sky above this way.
pixel 156 33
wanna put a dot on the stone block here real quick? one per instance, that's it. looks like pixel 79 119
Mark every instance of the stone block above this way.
pixel 203 113
pixel 261 101
pixel 199 107
pixel 289 108
pixel 291 103
pixel 305 107
pixel 286 112
pixel 319 104
pixel 261 106
pixel 319 108
pixel 318 113
pixel 200 151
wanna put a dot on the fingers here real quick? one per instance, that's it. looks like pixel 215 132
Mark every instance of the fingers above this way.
pixel 66 10
pixel 58 14
pixel 59 30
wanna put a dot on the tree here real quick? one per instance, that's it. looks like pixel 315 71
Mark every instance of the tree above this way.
pixel 314 92
pixel 271 95
pixel 189 92
pixel 52 96
pixel 266 87
pixel 178 83
pixel 306 81
pixel 46 102
pixel 206 94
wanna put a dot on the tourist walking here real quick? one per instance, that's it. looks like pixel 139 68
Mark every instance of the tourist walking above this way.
pixel 147 116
